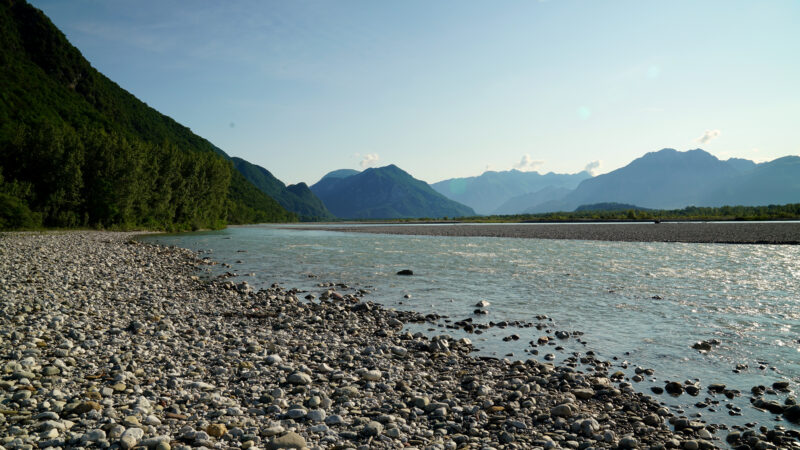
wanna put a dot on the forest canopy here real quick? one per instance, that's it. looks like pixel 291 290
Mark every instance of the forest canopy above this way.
pixel 77 150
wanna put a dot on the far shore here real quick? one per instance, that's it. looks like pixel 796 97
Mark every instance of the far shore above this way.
pixel 785 233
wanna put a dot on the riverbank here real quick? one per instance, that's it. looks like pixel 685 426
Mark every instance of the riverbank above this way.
pixel 107 342
pixel 688 232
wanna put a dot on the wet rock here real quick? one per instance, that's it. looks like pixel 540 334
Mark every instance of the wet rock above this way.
pixel 792 414
pixel 674 388
pixel 781 385
pixel 405 272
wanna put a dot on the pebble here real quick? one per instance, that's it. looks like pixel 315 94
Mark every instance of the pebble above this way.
pixel 216 430
pixel 299 378
pixel 288 440
pixel 373 428
pixel 371 375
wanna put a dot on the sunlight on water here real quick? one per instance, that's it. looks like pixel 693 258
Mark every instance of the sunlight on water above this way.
pixel 643 302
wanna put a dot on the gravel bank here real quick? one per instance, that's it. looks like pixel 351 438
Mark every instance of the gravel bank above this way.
pixel 696 232
pixel 113 344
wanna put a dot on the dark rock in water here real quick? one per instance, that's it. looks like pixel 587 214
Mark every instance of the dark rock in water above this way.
pixel 770 405
pixel 657 390
pixel 702 345
pixel 792 414
pixel 406 272
pixel 780 385
pixel 692 390
pixel 674 388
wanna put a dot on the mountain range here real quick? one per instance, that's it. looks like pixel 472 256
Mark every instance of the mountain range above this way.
pixel 669 179
pixel 489 192
pixel 666 179
pixel 383 193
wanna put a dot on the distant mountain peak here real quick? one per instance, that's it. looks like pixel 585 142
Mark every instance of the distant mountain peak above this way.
pixel 386 192
pixel 339 173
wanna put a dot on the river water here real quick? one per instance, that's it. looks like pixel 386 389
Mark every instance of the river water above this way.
pixel 644 304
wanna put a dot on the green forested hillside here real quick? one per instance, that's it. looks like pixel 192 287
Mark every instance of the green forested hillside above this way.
pixel 78 150
pixel 296 198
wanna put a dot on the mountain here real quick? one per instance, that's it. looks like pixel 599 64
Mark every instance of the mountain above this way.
pixel 78 150
pixel 326 187
pixel 742 165
pixel 518 204
pixel 669 179
pixel 384 193
pixel 341 173
pixel 773 183
pixel 296 198
pixel 487 192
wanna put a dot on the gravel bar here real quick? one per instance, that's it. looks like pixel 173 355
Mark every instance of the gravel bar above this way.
pixel 690 232
pixel 110 343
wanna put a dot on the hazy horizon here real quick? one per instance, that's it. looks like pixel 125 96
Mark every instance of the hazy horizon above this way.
pixel 451 89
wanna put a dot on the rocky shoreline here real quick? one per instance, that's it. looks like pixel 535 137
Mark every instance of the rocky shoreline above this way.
pixel 688 232
pixel 110 343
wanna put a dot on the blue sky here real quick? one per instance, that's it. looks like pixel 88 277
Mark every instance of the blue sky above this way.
pixel 450 88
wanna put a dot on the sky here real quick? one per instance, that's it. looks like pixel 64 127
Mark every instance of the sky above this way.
pixel 449 89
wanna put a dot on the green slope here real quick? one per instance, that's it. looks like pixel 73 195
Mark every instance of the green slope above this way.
pixel 296 198
pixel 64 123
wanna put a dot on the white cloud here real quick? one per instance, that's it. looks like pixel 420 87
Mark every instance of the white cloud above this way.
pixel 593 167
pixel 527 164
pixel 708 136
pixel 370 160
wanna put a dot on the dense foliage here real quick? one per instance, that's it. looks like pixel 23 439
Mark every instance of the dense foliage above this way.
pixel 93 178
pixel 297 198
pixel 78 150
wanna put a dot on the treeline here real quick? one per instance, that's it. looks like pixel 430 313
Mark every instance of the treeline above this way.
pixel 767 212
pixel 77 150
pixel 55 176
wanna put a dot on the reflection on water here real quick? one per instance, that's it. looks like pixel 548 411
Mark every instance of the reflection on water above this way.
pixel 646 303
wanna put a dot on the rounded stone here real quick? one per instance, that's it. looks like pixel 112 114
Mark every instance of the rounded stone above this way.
pixel 299 378
pixel 372 429
pixel 216 430
pixel 288 440
pixel 372 375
